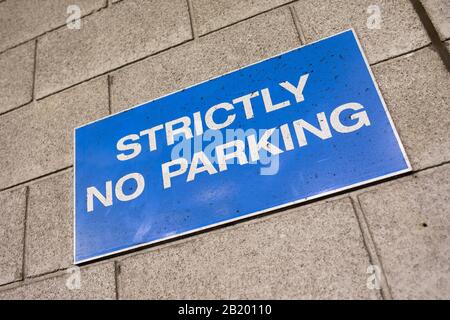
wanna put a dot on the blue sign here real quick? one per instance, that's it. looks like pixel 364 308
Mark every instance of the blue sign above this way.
pixel 300 125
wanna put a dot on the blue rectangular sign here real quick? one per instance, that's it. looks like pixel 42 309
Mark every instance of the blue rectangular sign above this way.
pixel 297 126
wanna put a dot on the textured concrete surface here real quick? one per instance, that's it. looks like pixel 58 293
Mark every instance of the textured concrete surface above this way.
pixel 410 224
pixel 38 138
pixel 400 28
pixel 12 213
pixel 49 236
pixel 16 76
pixel 210 56
pixel 416 90
pixel 96 282
pixel 211 15
pixel 147 48
pixel 25 19
pixel 311 252
pixel 125 32
pixel 439 12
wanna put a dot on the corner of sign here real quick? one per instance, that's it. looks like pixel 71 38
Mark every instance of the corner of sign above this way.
pixel 408 163
pixel 352 29
pixel 77 261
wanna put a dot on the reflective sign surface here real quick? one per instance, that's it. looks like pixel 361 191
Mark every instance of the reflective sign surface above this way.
pixel 294 127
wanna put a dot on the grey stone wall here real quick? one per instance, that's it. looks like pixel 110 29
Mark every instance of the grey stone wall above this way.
pixel 53 78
